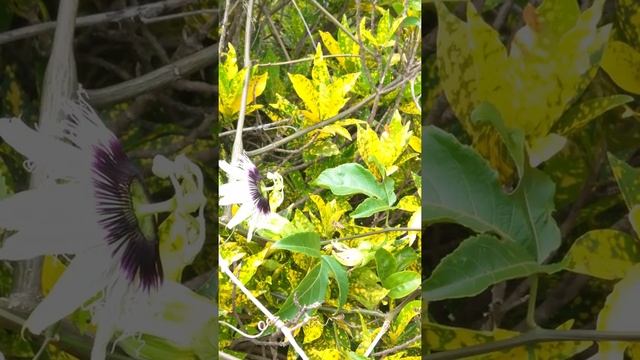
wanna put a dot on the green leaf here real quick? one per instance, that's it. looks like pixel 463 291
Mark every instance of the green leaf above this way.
pixel 513 139
pixel 405 257
pixel 349 179
pixel 385 263
pixel 462 188
pixel 606 254
pixel 369 207
pixel 581 114
pixel 388 184
pixel 402 283
pixel 340 274
pixel 311 289
pixel 478 263
pixel 627 179
pixel 307 243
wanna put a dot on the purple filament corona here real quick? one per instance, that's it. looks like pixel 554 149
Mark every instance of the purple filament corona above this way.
pixel 261 203
pixel 113 174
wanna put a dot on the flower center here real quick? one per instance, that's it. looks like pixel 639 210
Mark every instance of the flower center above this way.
pixel 146 221
pixel 131 234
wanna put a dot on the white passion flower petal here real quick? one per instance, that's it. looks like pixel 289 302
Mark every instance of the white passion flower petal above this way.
pixel 46 206
pixel 57 159
pixel 86 275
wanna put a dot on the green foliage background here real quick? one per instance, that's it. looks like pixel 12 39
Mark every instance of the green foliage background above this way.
pixel 348 184
pixel 531 144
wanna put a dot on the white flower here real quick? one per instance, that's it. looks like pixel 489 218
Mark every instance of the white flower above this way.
pixel 93 205
pixel 244 188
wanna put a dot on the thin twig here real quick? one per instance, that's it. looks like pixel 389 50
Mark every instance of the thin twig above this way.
pixel 237 142
pixel 155 79
pixel 272 318
pixel 144 11
pixel 387 321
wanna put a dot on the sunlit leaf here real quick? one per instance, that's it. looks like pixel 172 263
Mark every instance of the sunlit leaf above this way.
pixel 606 254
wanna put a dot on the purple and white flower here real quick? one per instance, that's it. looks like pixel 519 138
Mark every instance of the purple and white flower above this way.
pixel 92 205
pixel 244 188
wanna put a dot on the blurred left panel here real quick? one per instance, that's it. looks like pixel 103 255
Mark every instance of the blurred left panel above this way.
pixel 107 169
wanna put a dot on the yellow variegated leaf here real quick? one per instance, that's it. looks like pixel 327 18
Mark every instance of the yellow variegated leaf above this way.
pixel 628 14
pixel 330 214
pixel 312 329
pixel 408 312
pixel 386 149
pixel 365 289
pixel 331 44
pixel 409 107
pixel 282 108
pixel 306 91
pixel 634 219
pixel 409 203
pixel 606 254
pixel 320 72
pixel 231 84
pixel 323 97
pixel 622 63
pixel 415 143
pixel 442 338
pixel 333 96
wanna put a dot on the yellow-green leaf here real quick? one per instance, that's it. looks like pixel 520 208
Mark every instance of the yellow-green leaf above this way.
pixel 622 63
pixel 606 254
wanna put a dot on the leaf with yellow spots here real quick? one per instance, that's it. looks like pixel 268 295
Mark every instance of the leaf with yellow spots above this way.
pixel 443 338
pixel 338 128
pixel 628 179
pixel 474 67
pixel 330 214
pixel 322 95
pixel 250 265
pixel 622 63
pixel 606 254
pixel 385 29
pixel 628 20
pixel 281 109
pixel 581 114
pixel 408 312
pixel 364 288
pixel 386 149
pixel 312 329
pixel 231 84
pixel 409 203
